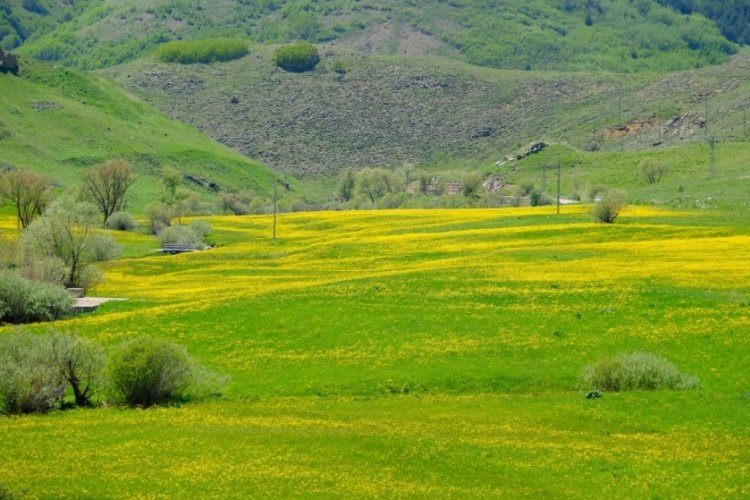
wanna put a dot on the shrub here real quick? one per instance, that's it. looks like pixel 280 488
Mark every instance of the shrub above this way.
pixel 158 216
pixel 146 371
pixel 81 363
pixel 236 203
pixel 202 51
pixel 25 301
pixel 296 57
pixel 652 171
pixel 103 248
pixel 636 371
pixel 609 207
pixel 121 221
pixel 29 380
pixel 7 494
pixel 186 235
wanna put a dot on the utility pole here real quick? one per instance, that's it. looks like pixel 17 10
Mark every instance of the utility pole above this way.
pixel 274 209
pixel 558 187
pixel 624 129
pixel 712 156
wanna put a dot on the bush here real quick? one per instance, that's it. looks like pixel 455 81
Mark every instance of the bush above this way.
pixel 202 51
pixel 29 380
pixel 296 57
pixel 7 494
pixel 636 371
pixel 121 221
pixel 146 372
pixel 236 203
pixel 609 207
pixel 158 216
pixel 185 235
pixel 25 301
pixel 652 171
pixel 103 248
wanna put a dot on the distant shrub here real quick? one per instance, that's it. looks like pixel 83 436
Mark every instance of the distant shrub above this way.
pixel 103 248
pixel 202 51
pixel 236 203
pixel 159 216
pixel 538 198
pixel 636 371
pixel 147 371
pixel 121 221
pixel 8 494
pixel 25 301
pixel 185 235
pixel 609 207
pixel 296 57
pixel 652 171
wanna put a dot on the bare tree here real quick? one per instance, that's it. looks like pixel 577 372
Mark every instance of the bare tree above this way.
pixel 107 184
pixel 28 192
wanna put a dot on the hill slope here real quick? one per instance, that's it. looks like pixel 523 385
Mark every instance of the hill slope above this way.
pixel 60 122
pixel 385 111
pixel 616 35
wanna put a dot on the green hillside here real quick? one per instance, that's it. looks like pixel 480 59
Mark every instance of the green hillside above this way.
pixel 60 122
pixel 430 111
pixel 615 35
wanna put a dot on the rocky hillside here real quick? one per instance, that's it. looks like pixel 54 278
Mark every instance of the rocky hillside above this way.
pixel 387 111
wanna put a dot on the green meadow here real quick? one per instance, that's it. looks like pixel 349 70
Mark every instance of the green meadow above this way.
pixel 414 353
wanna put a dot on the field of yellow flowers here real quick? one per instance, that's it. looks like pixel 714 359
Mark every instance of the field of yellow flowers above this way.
pixel 416 353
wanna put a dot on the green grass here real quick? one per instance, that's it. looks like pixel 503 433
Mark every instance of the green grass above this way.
pixel 411 353
pixel 61 122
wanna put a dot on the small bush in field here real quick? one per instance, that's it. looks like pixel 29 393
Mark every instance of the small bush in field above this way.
pixel 609 207
pixel 296 57
pixel 121 221
pixel 192 234
pixel 146 372
pixel 652 171
pixel 103 248
pixel 636 371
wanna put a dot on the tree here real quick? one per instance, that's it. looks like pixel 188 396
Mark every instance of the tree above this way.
pixel 652 170
pixel 81 363
pixel 107 184
pixel 65 231
pixel 346 184
pixel 28 192
pixel 609 207
pixel 472 183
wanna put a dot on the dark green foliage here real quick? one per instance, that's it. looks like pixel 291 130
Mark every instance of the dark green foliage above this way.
pixel 25 301
pixel 636 371
pixel 147 371
pixel 732 16
pixel 296 57
pixel 202 51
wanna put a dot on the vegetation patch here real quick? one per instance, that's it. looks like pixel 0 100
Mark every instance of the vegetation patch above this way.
pixel 637 371
pixel 297 57
pixel 202 51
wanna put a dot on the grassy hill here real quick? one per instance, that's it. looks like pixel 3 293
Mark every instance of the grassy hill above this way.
pixel 414 353
pixel 430 111
pixel 616 35
pixel 60 122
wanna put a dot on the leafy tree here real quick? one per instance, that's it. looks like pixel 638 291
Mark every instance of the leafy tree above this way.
pixel 652 170
pixel 609 207
pixel 107 185
pixel 81 364
pixel 472 184
pixel 65 231
pixel 347 181
pixel 374 183
pixel 28 192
